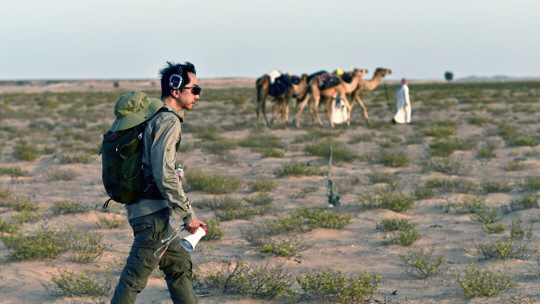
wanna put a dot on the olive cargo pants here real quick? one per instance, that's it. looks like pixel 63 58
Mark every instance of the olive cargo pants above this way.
pixel 149 230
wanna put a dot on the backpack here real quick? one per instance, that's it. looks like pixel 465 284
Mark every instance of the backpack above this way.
pixel 122 147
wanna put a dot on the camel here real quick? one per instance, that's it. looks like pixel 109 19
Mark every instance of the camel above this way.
pixel 368 85
pixel 262 85
pixel 329 95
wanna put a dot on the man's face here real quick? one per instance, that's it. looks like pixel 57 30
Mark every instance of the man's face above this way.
pixel 187 99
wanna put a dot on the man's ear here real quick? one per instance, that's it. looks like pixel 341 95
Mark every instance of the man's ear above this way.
pixel 175 93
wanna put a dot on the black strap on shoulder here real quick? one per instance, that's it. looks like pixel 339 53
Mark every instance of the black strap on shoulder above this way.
pixel 106 204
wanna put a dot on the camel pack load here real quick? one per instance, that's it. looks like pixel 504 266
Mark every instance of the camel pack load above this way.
pixel 280 85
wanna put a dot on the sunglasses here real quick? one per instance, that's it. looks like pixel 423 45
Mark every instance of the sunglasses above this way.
pixel 195 90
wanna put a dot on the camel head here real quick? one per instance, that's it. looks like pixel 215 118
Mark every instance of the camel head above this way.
pixel 382 71
pixel 359 72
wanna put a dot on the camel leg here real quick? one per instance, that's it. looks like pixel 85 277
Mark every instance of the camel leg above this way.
pixel 364 109
pixel 316 110
pixel 299 108
pixel 263 110
pixel 275 107
pixel 287 112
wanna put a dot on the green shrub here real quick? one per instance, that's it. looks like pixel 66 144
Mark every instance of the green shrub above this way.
pixel 258 139
pixel 469 204
pixel 27 216
pixel 319 218
pixel 298 169
pixel 13 171
pixel 496 185
pixel 207 133
pixel 111 222
pixel 514 165
pixel 324 148
pixel 228 208
pixel 301 220
pixel 459 185
pixel 86 283
pixel 387 198
pixel 9 227
pixel 262 185
pixel 439 131
pixel 285 247
pixel 376 176
pixel 501 250
pixel 517 232
pixel 60 175
pixel 493 228
pixel 449 165
pixel 394 224
pixel 486 215
pixel 507 131
pixel 214 230
pixel 85 246
pixel 4 193
pixel 393 158
pixel 261 199
pixel 239 212
pixel 75 158
pixel 42 245
pixel 527 201
pixel 532 183
pixel 446 147
pixel 67 207
pixel 25 151
pixel 19 204
pixel 487 150
pixel 219 146
pixel 423 264
pixel 332 286
pixel 211 182
pixel 422 192
pixel 316 134
pixel 528 141
pixel 403 237
pixel 487 283
pixel 262 281
pixel 272 153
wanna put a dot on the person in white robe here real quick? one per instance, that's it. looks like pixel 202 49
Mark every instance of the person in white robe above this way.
pixel 403 104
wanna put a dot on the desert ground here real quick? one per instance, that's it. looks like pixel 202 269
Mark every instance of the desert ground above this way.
pixel 443 210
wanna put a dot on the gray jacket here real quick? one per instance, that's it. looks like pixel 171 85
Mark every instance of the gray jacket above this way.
pixel 161 139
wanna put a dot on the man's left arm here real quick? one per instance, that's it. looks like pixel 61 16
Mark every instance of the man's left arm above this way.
pixel 163 153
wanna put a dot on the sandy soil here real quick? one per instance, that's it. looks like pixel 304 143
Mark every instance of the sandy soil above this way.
pixel 357 247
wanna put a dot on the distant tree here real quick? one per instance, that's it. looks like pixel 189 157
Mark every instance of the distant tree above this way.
pixel 116 84
pixel 448 75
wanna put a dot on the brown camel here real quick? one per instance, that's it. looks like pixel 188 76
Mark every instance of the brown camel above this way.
pixel 329 96
pixel 262 85
pixel 368 85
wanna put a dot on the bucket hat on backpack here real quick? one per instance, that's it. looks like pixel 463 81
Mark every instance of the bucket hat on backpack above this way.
pixel 121 148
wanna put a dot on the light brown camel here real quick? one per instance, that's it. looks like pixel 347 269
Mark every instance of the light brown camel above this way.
pixel 368 85
pixel 328 95
pixel 262 85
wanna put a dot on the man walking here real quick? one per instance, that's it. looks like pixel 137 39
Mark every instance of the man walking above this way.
pixel 403 104
pixel 163 193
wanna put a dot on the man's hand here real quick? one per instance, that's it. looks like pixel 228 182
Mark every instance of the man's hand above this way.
pixel 194 225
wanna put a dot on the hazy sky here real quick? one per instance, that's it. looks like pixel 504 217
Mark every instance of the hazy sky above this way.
pixel 420 39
